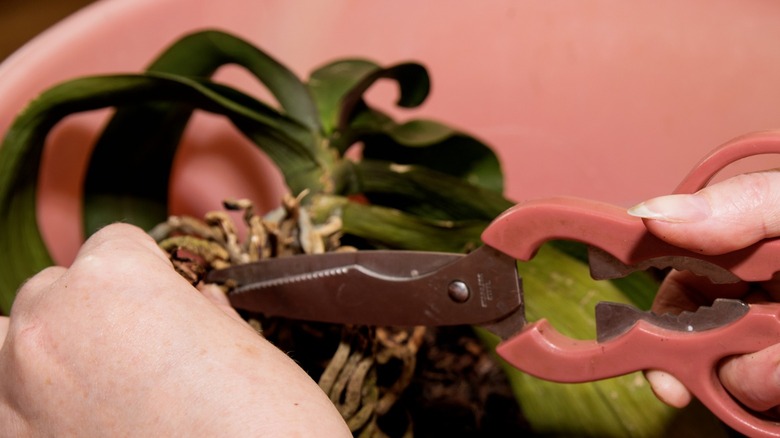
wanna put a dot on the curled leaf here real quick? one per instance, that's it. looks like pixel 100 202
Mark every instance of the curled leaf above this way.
pixel 279 136
pixel 127 178
pixel 338 89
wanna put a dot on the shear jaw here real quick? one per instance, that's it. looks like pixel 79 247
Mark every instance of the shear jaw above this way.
pixel 605 266
pixel 510 325
pixel 615 319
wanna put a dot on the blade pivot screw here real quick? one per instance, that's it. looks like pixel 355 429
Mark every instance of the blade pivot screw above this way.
pixel 458 291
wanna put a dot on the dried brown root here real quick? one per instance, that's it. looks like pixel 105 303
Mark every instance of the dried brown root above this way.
pixel 214 243
pixel 351 377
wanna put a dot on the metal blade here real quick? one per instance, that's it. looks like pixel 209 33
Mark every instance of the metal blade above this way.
pixel 604 266
pixel 383 263
pixel 398 288
pixel 614 319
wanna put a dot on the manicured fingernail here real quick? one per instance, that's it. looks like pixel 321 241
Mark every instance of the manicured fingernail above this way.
pixel 673 208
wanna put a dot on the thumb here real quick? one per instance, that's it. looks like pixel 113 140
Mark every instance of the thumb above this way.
pixel 723 217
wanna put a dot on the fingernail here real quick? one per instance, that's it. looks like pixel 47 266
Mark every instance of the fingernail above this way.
pixel 673 208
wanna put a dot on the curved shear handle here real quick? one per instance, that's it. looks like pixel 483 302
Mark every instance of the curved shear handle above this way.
pixel 692 357
pixel 625 243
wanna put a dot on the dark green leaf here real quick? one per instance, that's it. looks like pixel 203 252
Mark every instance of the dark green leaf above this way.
pixel 338 89
pixel 331 83
pixel 391 228
pixel 420 191
pixel 430 144
pixel 128 174
pixel 200 54
pixel 639 287
pixel 278 135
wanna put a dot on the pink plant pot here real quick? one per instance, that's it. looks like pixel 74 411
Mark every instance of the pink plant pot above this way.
pixel 602 99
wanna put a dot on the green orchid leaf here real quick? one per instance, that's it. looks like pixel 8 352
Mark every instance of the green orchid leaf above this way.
pixel 385 227
pixel 276 134
pixel 201 53
pixel 433 145
pixel 127 178
pixel 330 83
pixel 419 132
pixel 338 90
pixel 420 191
pixel 20 241
pixel 639 287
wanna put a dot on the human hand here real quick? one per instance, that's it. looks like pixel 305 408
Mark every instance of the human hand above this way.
pixel 119 344
pixel 721 218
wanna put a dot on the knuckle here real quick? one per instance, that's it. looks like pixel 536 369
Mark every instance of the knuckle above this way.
pixel 117 240
pixel 118 232
pixel 745 193
pixel 30 291
pixel 747 207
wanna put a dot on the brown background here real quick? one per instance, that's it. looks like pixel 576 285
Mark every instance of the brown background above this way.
pixel 21 20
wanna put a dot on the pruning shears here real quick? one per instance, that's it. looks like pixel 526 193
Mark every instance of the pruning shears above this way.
pixel 407 288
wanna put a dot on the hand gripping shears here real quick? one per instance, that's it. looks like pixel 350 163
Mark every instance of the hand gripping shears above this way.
pixel 405 288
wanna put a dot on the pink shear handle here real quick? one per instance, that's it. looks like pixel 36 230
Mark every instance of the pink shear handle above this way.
pixel 692 357
pixel 522 229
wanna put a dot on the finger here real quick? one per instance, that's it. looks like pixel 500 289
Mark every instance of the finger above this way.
pixel 41 280
pixel 27 296
pixel 720 218
pixel 683 290
pixel 668 389
pixel 121 237
pixel 754 379
pixel 772 289
pixel 122 255
pixel 217 297
pixel 119 269
pixel 35 287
